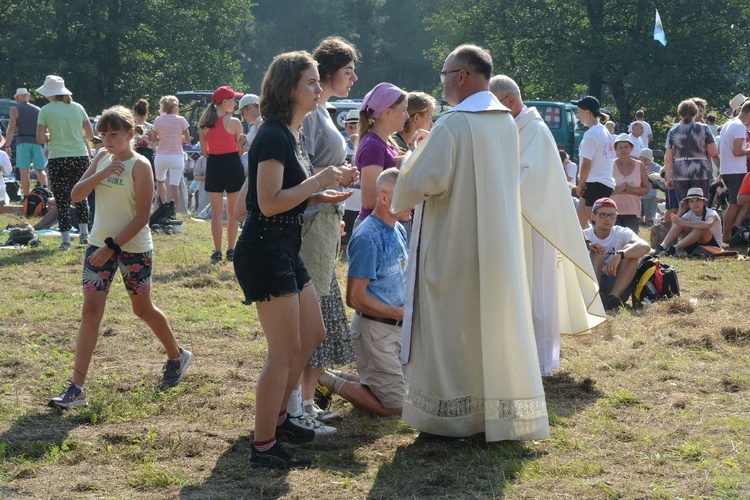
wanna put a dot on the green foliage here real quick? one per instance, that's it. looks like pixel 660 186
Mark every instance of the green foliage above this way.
pixel 116 51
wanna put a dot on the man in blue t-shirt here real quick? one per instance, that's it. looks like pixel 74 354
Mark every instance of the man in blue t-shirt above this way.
pixel 376 285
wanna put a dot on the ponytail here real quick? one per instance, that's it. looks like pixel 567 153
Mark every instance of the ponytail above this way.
pixel 209 117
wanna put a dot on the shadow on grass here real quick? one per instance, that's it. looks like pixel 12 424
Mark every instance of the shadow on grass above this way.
pixel 452 468
pixel 566 395
pixel 33 441
pixel 21 255
pixel 232 477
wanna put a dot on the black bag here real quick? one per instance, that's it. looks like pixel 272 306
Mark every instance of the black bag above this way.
pixel 653 281
pixel 37 202
pixel 22 234
pixel 165 211
pixel 13 188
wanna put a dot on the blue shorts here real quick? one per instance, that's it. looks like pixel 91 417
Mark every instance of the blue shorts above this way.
pixel 672 201
pixel 28 153
pixel 135 269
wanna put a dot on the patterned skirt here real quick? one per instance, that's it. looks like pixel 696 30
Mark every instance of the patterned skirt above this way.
pixel 337 349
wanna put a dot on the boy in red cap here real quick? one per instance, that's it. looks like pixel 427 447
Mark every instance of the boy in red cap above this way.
pixel 615 252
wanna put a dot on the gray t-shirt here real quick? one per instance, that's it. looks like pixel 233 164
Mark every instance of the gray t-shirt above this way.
pixel 325 145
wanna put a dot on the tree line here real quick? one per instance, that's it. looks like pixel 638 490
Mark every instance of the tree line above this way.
pixel 118 51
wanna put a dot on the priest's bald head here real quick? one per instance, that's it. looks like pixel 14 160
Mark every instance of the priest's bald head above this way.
pixel 466 71
pixel 507 92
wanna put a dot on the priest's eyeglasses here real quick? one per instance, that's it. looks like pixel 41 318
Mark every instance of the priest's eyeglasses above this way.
pixel 603 215
pixel 444 74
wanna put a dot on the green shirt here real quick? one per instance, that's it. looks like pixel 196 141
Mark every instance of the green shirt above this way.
pixel 65 125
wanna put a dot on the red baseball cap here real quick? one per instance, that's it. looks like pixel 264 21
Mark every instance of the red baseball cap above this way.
pixel 604 202
pixel 223 93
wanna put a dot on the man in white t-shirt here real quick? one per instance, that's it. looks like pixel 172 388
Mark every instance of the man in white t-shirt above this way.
pixel 698 225
pixel 597 155
pixel 733 153
pixel 636 136
pixel 640 116
pixel 615 252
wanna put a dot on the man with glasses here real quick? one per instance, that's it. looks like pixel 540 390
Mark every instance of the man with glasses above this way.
pixel 615 252
pixel 468 337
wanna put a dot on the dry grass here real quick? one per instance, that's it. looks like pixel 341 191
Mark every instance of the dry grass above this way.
pixel 654 404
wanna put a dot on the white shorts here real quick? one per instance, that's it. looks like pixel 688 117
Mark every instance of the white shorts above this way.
pixel 174 164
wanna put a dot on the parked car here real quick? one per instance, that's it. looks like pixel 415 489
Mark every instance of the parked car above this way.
pixel 562 120
pixel 339 109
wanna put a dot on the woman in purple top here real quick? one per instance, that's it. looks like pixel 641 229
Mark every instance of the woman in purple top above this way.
pixel 383 112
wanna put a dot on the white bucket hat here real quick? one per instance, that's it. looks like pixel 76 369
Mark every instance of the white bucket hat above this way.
pixel 623 138
pixel 20 91
pixel 53 85
pixel 736 101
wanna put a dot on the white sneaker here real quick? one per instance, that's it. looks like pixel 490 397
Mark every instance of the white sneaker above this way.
pixel 322 415
pixel 309 422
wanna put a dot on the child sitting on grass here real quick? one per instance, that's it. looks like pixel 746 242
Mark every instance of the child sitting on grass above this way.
pixel 698 225
pixel 121 238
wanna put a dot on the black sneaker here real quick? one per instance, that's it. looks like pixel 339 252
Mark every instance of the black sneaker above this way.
pixel 614 302
pixel 292 433
pixel 276 458
pixel 216 257
pixel 669 251
pixel 230 255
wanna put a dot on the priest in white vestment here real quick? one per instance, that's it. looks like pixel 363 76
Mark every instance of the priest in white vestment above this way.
pixel 468 338
pixel 564 289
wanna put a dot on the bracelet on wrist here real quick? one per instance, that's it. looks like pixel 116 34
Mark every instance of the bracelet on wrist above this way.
pixel 320 184
pixel 113 246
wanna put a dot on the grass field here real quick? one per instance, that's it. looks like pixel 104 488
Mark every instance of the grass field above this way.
pixel 654 404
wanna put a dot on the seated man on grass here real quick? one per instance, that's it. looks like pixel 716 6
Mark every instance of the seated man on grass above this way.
pixel 615 252
pixel 697 225
pixel 375 288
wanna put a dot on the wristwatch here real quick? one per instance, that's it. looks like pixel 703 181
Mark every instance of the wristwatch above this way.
pixel 621 253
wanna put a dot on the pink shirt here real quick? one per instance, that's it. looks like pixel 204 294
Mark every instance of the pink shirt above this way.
pixel 170 128
pixel 628 204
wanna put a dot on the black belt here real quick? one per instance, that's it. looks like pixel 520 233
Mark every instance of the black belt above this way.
pixel 387 321
pixel 295 220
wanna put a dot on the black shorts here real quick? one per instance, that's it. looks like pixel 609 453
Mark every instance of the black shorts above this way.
pixel 733 183
pixel 594 191
pixel 690 249
pixel 267 261
pixel 224 173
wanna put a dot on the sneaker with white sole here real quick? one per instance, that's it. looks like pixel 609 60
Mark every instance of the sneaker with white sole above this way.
pixel 175 369
pixel 318 413
pixel 307 421
pixel 72 396
pixel 83 239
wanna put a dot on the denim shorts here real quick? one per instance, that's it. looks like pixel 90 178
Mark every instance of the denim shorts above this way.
pixel 267 261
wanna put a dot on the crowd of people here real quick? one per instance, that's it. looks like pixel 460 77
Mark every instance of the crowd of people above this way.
pixel 530 250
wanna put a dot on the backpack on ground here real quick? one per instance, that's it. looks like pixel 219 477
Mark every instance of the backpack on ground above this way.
pixel 37 202
pixel 13 189
pixel 21 234
pixel 654 281
pixel 164 211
